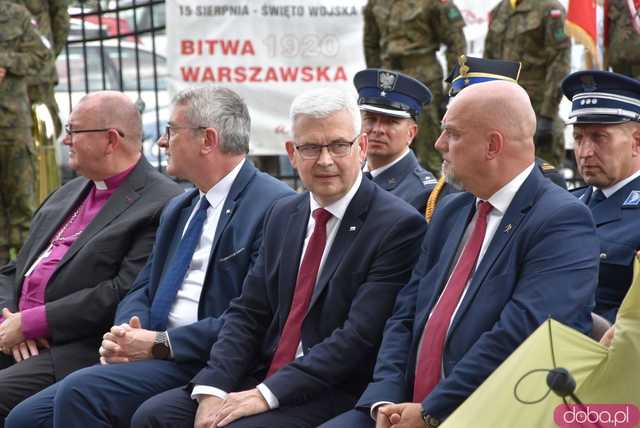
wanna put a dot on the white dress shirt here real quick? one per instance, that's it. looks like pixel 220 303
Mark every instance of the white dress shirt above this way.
pixel 184 310
pixel 619 185
pixel 337 209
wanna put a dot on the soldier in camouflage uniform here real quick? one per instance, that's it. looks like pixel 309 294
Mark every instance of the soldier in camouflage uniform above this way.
pixel 22 52
pixel 52 17
pixel 532 32
pixel 404 35
pixel 623 41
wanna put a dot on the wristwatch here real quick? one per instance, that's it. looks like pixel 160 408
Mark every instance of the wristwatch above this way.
pixel 429 421
pixel 160 349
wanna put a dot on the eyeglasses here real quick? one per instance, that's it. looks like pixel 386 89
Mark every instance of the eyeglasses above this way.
pixel 70 132
pixel 169 128
pixel 337 149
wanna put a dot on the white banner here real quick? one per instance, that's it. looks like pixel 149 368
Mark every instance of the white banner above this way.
pixel 267 51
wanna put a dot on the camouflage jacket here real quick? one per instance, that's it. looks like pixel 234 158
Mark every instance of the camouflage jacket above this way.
pixel 623 41
pixel 397 33
pixel 22 53
pixel 532 33
pixel 52 17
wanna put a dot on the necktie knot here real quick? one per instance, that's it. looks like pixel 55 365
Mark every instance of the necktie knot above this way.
pixel 321 216
pixel 484 208
pixel 204 204
pixel 596 197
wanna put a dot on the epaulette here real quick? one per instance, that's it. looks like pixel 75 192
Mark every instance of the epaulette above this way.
pixel 546 167
pixel 426 179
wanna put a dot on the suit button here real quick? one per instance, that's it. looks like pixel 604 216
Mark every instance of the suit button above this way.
pixel 603 256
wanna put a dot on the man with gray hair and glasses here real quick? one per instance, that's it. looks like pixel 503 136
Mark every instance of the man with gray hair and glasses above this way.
pixel 298 345
pixel 87 243
pixel 207 240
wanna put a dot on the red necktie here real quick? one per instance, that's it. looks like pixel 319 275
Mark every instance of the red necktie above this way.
pixel 428 363
pixel 290 338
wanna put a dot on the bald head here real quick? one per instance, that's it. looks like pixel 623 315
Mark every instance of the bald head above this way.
pixel 492 125
pixel 502 106
pixel 112 109
pixel 105 137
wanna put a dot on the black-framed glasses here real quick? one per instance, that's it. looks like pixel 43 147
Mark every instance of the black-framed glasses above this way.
pixel 70 132
pixel 337 149
pixel 169 128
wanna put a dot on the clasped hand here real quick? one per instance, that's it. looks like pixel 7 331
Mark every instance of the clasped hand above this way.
pixel 12 341
pixel 404 415
pixel 213 412
pixel 126 342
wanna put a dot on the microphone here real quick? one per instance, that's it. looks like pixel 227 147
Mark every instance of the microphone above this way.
pixel 560 381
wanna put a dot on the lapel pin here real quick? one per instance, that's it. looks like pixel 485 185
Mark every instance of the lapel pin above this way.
pixel 228 211
pixel 507 228
pixel 352 228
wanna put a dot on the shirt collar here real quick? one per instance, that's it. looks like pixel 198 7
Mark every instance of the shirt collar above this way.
pixel 378 171
pixel 501 199
pixel 218 193
pixel 114 181
pixel 619 185
pixel 339 207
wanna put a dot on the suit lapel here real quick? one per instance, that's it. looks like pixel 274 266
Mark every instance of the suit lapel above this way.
pixel 46 233
pixel 447 257
pixel 349 227
pixel 125 195
pixel 517 210
pixel 180 218
pixel 245 175
pixel 586 195
pixel 390 178
pixel 291 254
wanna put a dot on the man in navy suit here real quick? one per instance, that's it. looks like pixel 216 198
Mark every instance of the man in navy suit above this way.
pixel 606 129
pixel 390 103
pixel 299 344
pixel 499 259
pixel 163 335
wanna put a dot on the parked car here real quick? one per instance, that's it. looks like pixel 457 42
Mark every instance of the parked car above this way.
pixel 80 29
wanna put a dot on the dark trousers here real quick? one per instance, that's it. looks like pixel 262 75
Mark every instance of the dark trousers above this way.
pixel 176 409
pixel 351 419
pixel 99 396
pixel 19 381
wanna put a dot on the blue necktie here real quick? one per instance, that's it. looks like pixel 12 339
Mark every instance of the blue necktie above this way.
pixel 596 197
pixel 174 276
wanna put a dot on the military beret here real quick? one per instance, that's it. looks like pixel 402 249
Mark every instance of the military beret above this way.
pixel 390 92
pixel 471 70
pixel 602 97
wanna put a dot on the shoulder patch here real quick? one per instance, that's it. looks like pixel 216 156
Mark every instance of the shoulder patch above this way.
pixel 453 13
pixel 633 200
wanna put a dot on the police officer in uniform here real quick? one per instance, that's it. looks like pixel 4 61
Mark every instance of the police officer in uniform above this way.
pixel 21 53
pixel 605 115
pixel 390 103
pixel 532 31
pixel 404 35
pixel 469 71
pixel 623 37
